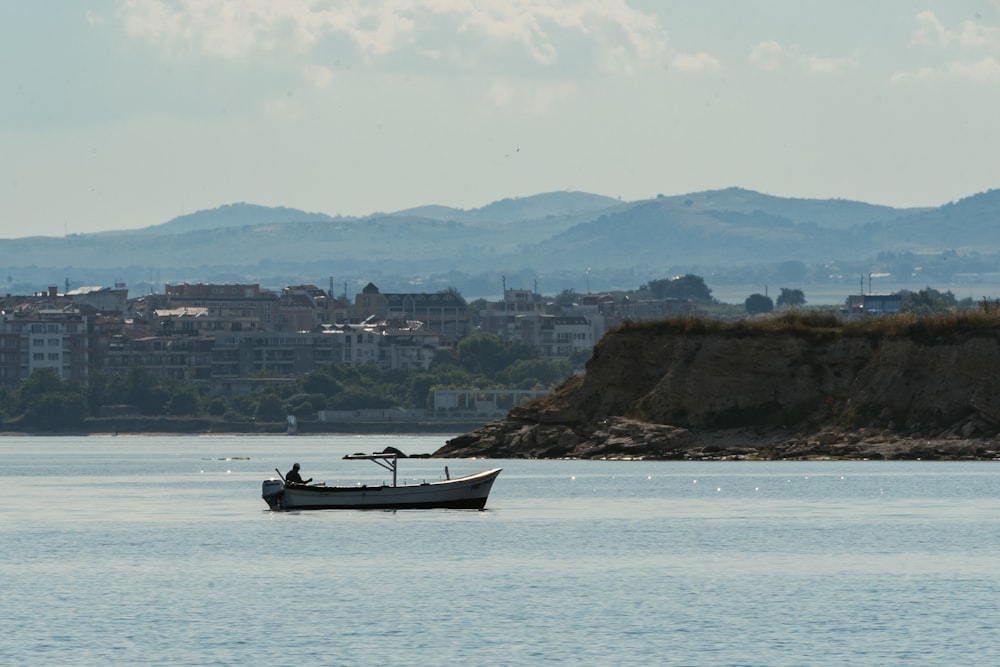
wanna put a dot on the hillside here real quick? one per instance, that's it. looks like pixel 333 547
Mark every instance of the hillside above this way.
pixel 832 213
pixel 551 241
pixel 520 209
pixel 231 215
pixel 793 388
pixel 968 225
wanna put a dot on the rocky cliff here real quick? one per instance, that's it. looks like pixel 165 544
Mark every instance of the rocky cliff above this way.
pixel 799 386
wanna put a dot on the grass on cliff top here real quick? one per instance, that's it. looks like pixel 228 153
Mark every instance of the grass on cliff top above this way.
pixel 824 324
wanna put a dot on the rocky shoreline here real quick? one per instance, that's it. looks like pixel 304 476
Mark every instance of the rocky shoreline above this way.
pixel 618 438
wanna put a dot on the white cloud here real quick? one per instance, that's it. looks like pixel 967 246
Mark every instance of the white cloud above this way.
pixel 770 55
pixel 228 29
pixel 978 35
pixel 695 62
pixel 317 76
pixel 608 34
pixel 970 50
pixel 94 19
pixel 767 55
pixel 915 76
pixel 984 70
pixel 931 31
pixel 824 65
pixel 972 34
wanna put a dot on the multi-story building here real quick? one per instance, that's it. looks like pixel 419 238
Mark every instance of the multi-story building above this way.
pixel 204 309
pixel 306 307
pixel 184 358
pixel 225 332
pixel 271 353
pixel 558 331
pixel 106 300
pixel 390 345
pixel 560 336
pixel 444 313
pixel 13 352
pixel 227 307
pixel 501 317
pixel 32 339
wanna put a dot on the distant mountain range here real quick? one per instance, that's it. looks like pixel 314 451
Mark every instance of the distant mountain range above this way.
pixel 548 242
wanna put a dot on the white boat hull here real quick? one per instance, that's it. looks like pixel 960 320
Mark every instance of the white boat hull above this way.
pixel 468 492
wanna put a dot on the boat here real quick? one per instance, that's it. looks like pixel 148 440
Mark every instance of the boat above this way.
pixel 468 492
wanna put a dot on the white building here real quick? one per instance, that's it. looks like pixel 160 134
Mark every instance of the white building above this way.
pixel 58 340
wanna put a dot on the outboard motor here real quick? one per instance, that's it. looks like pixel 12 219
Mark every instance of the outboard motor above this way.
pixel 272 491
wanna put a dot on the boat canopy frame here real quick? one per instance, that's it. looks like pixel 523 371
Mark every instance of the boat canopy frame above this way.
pixel 389 461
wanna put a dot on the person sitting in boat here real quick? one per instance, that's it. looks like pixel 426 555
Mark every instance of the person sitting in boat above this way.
pixel 293 476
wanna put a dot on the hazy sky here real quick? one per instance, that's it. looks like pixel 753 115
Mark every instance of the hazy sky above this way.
pixel 125 113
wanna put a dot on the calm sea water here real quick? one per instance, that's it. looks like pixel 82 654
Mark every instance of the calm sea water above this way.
pixel 159 550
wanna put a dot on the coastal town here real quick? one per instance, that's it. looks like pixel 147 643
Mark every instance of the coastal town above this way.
pixel 237 336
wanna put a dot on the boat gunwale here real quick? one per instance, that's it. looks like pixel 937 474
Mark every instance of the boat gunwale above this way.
pixel 478 477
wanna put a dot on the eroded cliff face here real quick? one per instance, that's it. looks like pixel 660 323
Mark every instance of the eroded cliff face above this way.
pixel 665 393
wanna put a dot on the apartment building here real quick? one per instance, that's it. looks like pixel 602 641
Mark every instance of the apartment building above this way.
pixel 395 345
pixel 219 308
pixel 305 307
pixel 32 339
pixel 443 313
pixel 559 331
pixel 13 353
pixel 271 353
pixel 184 358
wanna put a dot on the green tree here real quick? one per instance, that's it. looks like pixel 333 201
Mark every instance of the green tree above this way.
pixel 790 298
pixel 928 301
pixel 146 391
pixel 40 382
pixel 418 387
pixel 57 410
pixel 361 399
pixel 445 360
pixel 6 399
pixel 306 406
pixel 688 286
pixel 567 297
pixel 320 382
pixel 217 406
pixel 242 406
pixel 758 303
pixel 45 401
pixel 531 373
pixel 485 353
pixel 476 307
pixel 269 408
pixel 183 402
pixel 579 358
pixel 480 353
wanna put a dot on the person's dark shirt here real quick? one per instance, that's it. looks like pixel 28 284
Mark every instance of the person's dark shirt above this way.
pixel 294 477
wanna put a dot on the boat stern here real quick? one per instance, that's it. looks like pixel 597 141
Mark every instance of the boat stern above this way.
pixel 272 491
